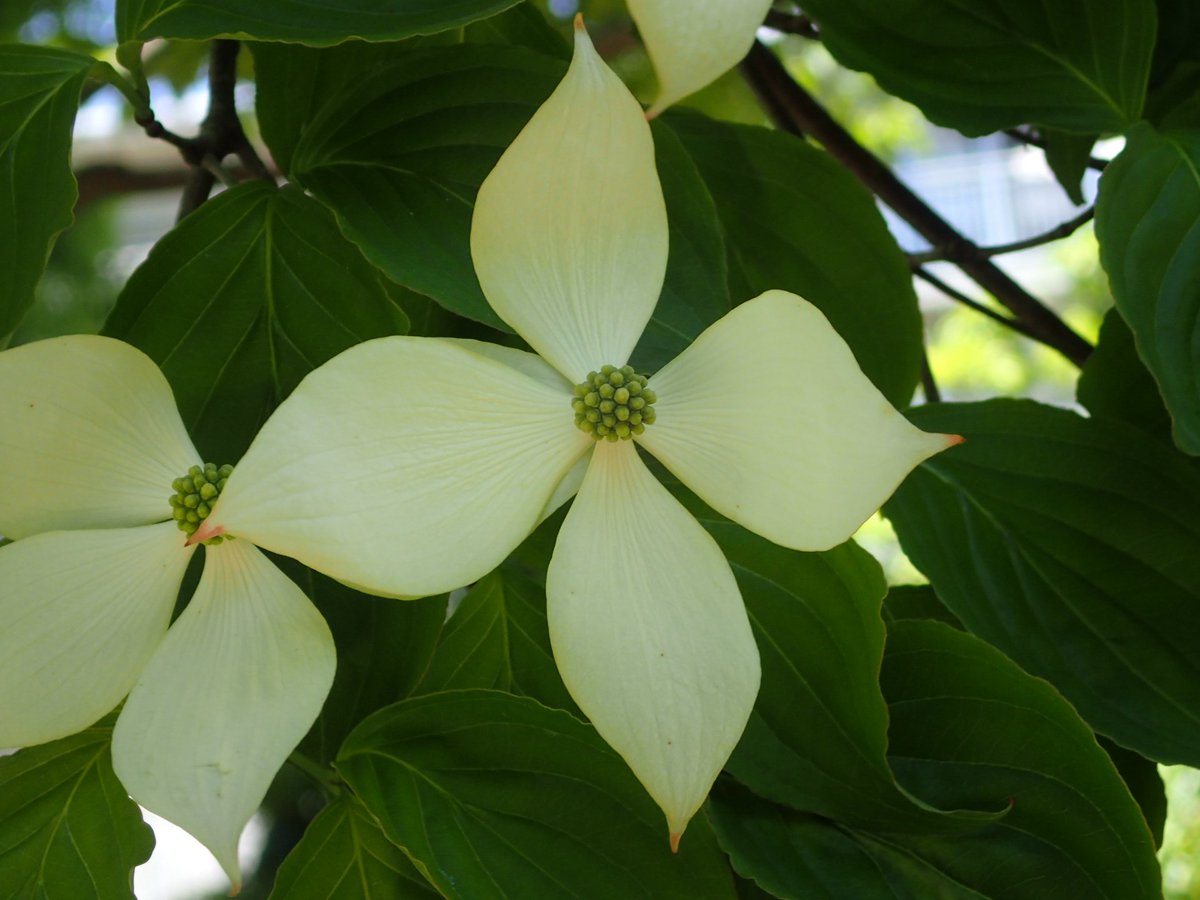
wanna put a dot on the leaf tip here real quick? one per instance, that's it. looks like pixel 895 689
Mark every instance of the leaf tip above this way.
pixel 579 22
pixel 953 440
pixel 205 532
pixel 675 836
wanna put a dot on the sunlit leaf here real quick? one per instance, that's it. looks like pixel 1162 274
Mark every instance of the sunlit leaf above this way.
pixel 992 64
pixel 67 827
pixel 39 95
pixel 241 300
pixel 497 796
pixel 1070 544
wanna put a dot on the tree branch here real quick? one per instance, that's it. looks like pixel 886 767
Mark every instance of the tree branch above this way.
pixel 1058 232
pixel 804 116
pixel 957 295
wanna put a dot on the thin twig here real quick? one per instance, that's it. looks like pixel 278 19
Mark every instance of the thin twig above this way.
pixel 957 295
pixel 804 115
pixel 928 384
pixel 1065 229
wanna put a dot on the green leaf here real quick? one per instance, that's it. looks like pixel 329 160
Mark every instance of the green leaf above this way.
pixel 67 827
pixel 915 601
pixel 497 796
pixel 1144 783
pixel 1115 383
pixel 797 855
pixel 695 289
pixel 986 65
pixel 796 220
pixel 1148 226
pixel 1070 544
pixel 817 738
pixel 297 21
pixel 345 856
pixel 384 648
pixel 498 638
pixel 969 726
pixel 400 156
pixel 241 300
pixel 1068 156
pixel 39 95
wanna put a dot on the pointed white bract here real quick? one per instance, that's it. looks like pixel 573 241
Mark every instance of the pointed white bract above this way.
pixel 90 437
pixel 768 418
pixel 90 443
pixel 692 44
pixel 422 483
pixel 649 631
pixel 234 687
pixel 82 613
pixel 569 235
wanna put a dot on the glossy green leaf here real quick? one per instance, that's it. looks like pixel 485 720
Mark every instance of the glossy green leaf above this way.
pixel 497 796
pixel 384 648
pixel 796 220
pixel 399 157
pixel 1115 383
pixel 800 856
pixel 497 638
pixel 969 726
pixel 39 95
pixel 1070 544
pixel 915 601
pixel 695 289
pixel 1148 226
pixel 991 64
pixel 241 300
pixel 297 21
pixel 817 738
pixel 1142 779
pixel 1068 156
pixel 67 827
pixel 344 855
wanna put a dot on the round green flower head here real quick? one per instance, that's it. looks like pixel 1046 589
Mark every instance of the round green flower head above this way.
pixel 613 404
pixel 195 494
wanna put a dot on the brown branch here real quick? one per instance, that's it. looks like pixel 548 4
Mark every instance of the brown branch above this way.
pixel 804 116
pixel 1058 232
pixel 958 296
pixel 220 134
pixel 928 384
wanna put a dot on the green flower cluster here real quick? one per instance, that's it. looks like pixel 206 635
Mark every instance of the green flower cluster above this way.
pixel 613 404
pixel 195 494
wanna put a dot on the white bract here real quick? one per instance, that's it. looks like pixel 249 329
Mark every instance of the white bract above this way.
pixel 440 456
pixel 693 42
pixel 90 443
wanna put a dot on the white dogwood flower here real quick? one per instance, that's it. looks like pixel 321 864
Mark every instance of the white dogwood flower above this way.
pixel 100 487
pixel 437 457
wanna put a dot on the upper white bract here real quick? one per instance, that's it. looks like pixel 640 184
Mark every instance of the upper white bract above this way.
pixel 90 442
pixel 427 460
pixel 693 43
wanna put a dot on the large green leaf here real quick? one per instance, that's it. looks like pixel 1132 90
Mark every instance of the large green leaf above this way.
pixel 1115 383
pixel 796 220
pixel 984 65
pixel 498 638
pixel 384 648
pixel 344 855
pixel 39 95
pixel 1072 545
pixel 399 157
pixel 497 796
pixel 1148 225
pixel 297 21
pixel 67 827
pixel 241 300
pixel 968 727
pixel 817 738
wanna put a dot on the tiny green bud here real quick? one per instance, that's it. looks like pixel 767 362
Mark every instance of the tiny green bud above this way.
pixel 195 494
pixel 613 403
